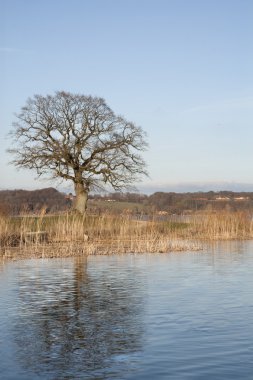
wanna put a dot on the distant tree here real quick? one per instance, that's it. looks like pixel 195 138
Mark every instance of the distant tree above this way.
pixel 4 209
pixel 78 138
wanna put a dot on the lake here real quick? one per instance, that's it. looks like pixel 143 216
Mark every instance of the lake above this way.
pixel 185 315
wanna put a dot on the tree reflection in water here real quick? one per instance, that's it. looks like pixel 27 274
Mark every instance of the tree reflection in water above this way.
pixel 76 324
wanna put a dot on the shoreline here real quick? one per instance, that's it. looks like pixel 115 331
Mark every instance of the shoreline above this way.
pixel 79 249
pixel 74 249
pixel 73 235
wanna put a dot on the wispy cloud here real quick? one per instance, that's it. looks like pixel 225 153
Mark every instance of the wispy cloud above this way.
pixel 10 50
pixel 182 187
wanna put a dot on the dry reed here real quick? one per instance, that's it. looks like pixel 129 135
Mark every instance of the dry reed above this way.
pixel 68 235
pixel 222 226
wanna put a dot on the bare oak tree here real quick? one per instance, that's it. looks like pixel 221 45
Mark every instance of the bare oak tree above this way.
pixel 78 138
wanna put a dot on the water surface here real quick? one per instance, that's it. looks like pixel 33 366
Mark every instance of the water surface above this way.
pixel 165 316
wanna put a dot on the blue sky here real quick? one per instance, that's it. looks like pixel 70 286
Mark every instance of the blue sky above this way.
pixel 181 69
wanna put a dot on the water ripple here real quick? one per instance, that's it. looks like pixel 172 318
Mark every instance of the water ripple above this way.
pixel 177 316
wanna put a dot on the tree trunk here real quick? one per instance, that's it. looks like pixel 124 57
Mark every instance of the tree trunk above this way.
pixel 80 204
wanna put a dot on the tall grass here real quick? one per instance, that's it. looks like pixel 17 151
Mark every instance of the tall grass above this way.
pixel 222 225
pixel 73 234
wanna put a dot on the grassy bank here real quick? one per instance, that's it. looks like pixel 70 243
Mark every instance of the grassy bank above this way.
pixel 67 235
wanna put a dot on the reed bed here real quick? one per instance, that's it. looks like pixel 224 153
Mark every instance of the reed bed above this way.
pixel 222 226
pixel 69 234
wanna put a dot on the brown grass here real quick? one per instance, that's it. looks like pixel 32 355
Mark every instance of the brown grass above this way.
pixel 69 235
pixel 222 226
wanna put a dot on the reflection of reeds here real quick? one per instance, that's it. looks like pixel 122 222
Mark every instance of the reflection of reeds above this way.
pixel 73 234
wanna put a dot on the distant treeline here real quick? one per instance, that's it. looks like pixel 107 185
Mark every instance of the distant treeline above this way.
pixel 16 202
pixel 178 203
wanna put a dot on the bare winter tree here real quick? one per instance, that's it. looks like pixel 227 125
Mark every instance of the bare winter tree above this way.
pixel 78 138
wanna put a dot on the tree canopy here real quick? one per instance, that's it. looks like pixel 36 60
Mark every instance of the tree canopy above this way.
pixel 78 138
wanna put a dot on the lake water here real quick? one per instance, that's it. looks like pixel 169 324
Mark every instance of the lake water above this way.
pixel 165 316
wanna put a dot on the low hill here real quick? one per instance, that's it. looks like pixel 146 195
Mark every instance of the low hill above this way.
pixel 17 202
pixel 180 203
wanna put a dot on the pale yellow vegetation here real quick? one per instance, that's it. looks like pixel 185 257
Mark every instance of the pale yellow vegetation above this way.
pixel 66 235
